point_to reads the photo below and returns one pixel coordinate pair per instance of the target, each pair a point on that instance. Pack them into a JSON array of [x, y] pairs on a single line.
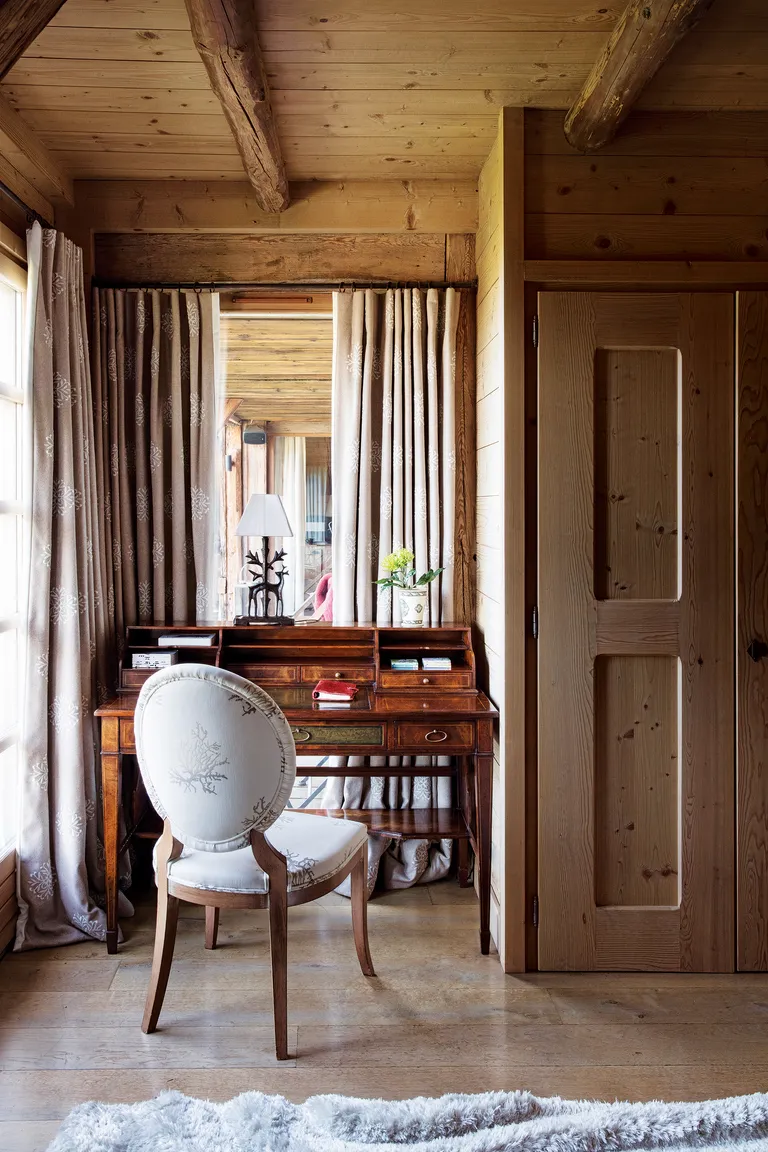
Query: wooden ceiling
[[281, 369], [116, 88]]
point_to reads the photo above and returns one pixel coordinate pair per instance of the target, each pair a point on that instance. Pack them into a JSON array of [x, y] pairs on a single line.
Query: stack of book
[[436, 663], [404, 665], [191, 640]]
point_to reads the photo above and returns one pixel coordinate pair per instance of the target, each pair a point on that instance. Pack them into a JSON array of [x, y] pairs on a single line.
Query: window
[[12, 526]]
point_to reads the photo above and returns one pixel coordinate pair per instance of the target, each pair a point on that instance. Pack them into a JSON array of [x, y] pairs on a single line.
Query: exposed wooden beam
[[377, 206], [21, 22], [225, 35], [26, 152], [644, 35], [229, 408]]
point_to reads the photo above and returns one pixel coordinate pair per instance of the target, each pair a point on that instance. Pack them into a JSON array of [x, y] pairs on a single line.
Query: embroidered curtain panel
[[394, 485], [291, 484], [70, 652], [155, 371]]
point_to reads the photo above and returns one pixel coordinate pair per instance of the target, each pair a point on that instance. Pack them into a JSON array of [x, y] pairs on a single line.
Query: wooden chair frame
[[277, 900]]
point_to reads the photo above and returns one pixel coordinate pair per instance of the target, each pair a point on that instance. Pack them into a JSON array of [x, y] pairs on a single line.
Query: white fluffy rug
[[493, 1122]]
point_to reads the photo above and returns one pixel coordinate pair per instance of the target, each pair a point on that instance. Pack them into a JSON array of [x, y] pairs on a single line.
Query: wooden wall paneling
[[752, 624], [501, 495], [680, 186], [489, 515], [460, 257], [433, 206], [8, 906], [611, 237], [278, 259]]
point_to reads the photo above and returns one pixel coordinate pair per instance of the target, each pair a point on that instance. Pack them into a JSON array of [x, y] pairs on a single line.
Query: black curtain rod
[[30, 212], [251, 286]]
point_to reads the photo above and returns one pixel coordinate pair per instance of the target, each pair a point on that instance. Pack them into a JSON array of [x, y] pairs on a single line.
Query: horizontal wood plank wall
[[500, 496], [274, 259], [376, 206], [8, 907], [672, 185]]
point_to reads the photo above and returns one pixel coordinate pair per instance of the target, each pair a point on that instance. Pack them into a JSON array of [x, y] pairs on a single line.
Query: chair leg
[[278, 939], [211, 925], [359, 880], [165, 938]]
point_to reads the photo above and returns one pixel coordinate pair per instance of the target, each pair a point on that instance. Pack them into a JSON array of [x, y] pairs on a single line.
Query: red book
[[334, 690]]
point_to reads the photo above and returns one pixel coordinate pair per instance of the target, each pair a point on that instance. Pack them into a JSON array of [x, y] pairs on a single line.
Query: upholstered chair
[[218, 762]]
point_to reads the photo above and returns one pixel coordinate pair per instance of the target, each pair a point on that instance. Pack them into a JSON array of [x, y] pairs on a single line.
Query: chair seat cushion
[[316, 847]]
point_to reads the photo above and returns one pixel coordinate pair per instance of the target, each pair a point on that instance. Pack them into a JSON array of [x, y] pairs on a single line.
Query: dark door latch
[[757, 650]]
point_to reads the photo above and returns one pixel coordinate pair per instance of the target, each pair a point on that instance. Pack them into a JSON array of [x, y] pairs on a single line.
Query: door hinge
[[535, 911], [535, 331], [535, 622]]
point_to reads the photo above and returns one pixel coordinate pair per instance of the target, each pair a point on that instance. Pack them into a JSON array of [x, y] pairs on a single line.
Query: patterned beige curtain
[[155, 371], [394, 485], [70, 652]]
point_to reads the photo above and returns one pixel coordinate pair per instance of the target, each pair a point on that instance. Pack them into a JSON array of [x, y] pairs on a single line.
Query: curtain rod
[[30, 212], [251, 286]]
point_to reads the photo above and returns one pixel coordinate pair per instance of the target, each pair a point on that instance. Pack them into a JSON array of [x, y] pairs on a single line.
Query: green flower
[[403, 558]]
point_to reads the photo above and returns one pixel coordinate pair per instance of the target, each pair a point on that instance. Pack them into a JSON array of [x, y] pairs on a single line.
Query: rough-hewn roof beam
[[225, 35], [644, 35]]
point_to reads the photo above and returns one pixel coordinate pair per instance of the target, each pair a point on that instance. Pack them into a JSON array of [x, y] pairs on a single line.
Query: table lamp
[[265, 516]]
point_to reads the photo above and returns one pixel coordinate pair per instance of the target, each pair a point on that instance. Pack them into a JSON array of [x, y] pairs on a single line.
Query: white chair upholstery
[[218, 761], [216, 754], [316, 847]]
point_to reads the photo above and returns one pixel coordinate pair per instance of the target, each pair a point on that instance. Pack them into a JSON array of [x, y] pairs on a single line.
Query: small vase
[[414, 606]]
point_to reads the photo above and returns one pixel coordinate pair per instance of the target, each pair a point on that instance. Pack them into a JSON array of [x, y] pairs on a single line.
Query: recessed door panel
[[636, 759]]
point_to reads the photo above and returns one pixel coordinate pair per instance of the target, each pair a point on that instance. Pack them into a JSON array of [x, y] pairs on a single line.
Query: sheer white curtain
[[394, 485], [291, 486]]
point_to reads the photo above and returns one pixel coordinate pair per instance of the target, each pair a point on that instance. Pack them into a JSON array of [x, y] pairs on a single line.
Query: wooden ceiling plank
[[21, 21], [26, 151], [225, 35], [643, 38]]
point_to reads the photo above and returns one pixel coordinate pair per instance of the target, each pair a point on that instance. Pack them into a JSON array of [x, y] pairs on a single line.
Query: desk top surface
[[297, 704]]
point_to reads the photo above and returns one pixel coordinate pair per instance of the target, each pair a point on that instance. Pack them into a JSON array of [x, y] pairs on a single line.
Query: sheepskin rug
[[494, 1122]]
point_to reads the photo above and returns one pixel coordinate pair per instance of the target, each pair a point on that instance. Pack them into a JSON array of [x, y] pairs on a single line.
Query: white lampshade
[[264, 515]]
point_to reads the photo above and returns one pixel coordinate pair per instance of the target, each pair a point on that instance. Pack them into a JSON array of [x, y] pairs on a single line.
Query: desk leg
[[110, 791], [483, 802]]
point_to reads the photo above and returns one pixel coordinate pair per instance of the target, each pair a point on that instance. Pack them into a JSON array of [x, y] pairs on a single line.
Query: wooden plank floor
[[438, 1018]]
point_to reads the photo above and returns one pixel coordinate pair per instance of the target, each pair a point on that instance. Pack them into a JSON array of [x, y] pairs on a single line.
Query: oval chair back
[[216, 755]]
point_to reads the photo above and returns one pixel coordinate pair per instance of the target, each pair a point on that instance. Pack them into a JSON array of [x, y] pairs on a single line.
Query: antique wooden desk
[[395, 713]]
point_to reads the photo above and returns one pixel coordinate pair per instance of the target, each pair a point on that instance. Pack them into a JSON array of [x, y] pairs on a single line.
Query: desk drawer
[[438, 736], [356, 674], [344, 734], [267, 673], [445, 681]]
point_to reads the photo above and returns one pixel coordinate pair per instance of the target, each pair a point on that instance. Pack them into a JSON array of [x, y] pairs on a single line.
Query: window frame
[[14, 275]]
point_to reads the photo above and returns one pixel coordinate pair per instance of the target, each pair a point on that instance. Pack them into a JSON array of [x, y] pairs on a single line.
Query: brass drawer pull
[[301, 735], [435, 736], [425, 680]]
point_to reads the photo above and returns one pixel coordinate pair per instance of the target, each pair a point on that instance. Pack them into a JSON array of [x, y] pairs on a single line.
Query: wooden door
[[752, 633], [636, 632]]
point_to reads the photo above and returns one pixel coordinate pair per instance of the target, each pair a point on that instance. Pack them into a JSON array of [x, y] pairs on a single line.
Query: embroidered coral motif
[[199, 762]]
